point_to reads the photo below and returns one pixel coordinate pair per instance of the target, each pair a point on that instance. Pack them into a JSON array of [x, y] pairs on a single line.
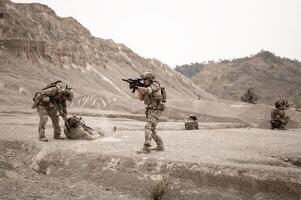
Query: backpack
[[163, 92], [36, 95]]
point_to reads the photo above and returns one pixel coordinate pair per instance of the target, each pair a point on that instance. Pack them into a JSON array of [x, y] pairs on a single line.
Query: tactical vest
[[156, 99], [51, 85]]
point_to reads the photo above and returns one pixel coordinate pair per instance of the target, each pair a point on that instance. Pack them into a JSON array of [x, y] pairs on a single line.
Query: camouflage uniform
[[278, 117], [250, 96], [45, 108], [191, 125], [78, 130], [154, 108], [154, 97]]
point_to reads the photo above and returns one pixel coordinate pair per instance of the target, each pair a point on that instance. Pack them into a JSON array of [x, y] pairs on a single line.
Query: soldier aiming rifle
[[154, 97]]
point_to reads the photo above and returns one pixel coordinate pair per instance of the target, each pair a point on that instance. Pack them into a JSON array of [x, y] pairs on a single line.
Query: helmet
[[281, 103], [148, 75], [193, 117], [69, 94]]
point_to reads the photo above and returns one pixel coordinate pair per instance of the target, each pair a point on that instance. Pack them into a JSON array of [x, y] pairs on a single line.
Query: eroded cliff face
[[37, 47]]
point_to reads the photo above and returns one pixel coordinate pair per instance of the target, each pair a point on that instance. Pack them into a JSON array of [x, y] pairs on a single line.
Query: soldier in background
[[46, 101], [278, 117], [191, 123], [249, 96], [154, 98]]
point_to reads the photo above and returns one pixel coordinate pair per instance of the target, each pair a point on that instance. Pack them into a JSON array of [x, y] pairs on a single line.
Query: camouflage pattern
[[250, 96], [152, 120], [78, 130], [278, 118], [46, 108], [43, 114], [154, 108], [83, 133], [191, 125]]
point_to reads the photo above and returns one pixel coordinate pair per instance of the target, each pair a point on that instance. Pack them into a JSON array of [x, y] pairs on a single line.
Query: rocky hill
[[271, 76], [37, 47]]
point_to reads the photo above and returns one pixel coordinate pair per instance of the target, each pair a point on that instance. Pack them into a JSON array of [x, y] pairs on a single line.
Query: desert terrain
[[222, 160], [233, 155]]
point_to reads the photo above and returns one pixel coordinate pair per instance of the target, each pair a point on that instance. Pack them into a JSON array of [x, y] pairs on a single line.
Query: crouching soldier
[[47, 102], [76, 129], [191, 123], [249, 96], [278, 117]]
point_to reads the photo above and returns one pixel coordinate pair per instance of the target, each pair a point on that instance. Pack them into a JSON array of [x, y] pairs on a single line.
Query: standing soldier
[[278, 117], [154, 97], [47, 101]]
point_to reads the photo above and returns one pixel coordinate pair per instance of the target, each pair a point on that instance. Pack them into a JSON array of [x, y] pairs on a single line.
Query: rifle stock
[[61, 113]]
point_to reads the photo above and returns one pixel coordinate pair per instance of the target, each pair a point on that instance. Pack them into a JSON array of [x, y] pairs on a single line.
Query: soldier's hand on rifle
[[46, 99], [142, 89]]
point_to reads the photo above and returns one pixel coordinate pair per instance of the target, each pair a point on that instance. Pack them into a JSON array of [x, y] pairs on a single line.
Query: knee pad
[[44, 118], [148, 126]]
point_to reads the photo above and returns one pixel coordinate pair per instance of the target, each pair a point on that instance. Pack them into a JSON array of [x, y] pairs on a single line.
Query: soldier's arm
[[140, 95], [64, 107], [49, 92], [154, 87]]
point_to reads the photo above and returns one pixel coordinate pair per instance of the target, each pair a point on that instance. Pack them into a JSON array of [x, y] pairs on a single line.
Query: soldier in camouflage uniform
[[154, 99], [250, 96], [278, 117], [76, 129], [191, 123], [44, 103]]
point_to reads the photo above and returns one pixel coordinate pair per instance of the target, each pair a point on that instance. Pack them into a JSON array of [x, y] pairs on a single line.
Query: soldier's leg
[[42, 123], [147, 135], [55, 124], [284, 123], [154, 119]]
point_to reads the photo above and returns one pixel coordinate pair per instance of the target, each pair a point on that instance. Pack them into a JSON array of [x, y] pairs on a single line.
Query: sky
[[179, 32]]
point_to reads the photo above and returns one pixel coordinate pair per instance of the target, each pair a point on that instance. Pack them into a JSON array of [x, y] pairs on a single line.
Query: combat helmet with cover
[[68, 93], [193, 117], [282, 103], [151, 76], [148, 75]]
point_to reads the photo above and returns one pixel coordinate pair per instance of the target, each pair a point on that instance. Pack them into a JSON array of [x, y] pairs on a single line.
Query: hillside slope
[[37, 47], [271, 76]]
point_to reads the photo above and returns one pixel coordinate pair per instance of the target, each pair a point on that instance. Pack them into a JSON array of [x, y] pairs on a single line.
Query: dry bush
[[159, 189]]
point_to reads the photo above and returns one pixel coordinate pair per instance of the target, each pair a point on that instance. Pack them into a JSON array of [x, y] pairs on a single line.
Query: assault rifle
[[61, 113], [134, 83]]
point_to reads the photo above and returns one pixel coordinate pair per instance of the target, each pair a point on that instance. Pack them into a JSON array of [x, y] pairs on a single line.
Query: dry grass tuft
[[159, 189]]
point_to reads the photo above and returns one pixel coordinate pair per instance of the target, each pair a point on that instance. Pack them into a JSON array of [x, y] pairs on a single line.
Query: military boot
[[145, 150], [43, 139], [58, 137], [160, 146]]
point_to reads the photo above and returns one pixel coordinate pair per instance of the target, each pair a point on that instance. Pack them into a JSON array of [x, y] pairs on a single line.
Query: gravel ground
[[259, 153]]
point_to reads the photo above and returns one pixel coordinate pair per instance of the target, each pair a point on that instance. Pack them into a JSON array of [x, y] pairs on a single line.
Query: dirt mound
[[72, 175]]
